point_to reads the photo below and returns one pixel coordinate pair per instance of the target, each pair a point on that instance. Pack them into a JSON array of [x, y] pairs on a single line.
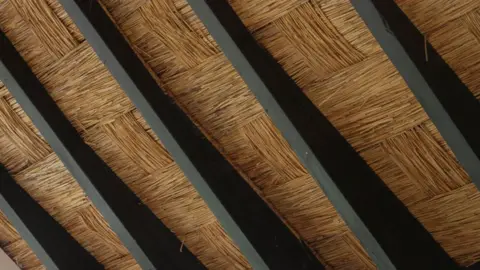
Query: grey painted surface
[[6, 263]]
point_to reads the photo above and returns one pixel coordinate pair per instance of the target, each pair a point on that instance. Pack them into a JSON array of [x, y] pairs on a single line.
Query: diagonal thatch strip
[[391, 235], [52, 244], [259, 233], [146, 237], [372, 105], [64, 84], [445, 98]]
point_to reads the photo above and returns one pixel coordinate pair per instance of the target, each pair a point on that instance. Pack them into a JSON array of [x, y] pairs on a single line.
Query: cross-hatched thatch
[[322, 44]]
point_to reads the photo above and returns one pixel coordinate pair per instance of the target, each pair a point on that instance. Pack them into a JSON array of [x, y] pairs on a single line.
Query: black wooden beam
[[262, 237], [150, 242], [452, 107], [393, 238], [54, 246]]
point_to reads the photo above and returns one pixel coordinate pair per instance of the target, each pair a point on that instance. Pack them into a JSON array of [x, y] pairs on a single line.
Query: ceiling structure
[[188, 146]]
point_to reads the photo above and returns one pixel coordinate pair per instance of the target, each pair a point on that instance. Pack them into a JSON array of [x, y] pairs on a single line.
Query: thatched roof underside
[[322, 44]]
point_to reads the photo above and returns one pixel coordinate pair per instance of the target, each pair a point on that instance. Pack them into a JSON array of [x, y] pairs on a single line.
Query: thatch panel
[[208, 241], [328, 51], [257, 14], [241, 154], [94, 103], [23, 256], [113, 155], [344, 252], [47, 27], [84, 89], [8, 234], [23, 37], [157, 55], [452, 218], [3, 90], [135, 142], [316, 38], [11, 156], [312, 216], [175, 33], [429, 15], [272, 147], [120, 9], [432, 169], [215, 96], [33, 147], [368, 102], [171, 197], [217, 99], [50, 184], [347, 22], [459, 45], [426, 177], [62, 15], [286, 55]]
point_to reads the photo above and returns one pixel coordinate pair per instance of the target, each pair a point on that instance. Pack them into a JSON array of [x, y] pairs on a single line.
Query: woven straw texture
[[322, 44]]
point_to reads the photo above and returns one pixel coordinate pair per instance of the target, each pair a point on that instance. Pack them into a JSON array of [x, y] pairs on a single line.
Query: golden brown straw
[[322, 44]]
